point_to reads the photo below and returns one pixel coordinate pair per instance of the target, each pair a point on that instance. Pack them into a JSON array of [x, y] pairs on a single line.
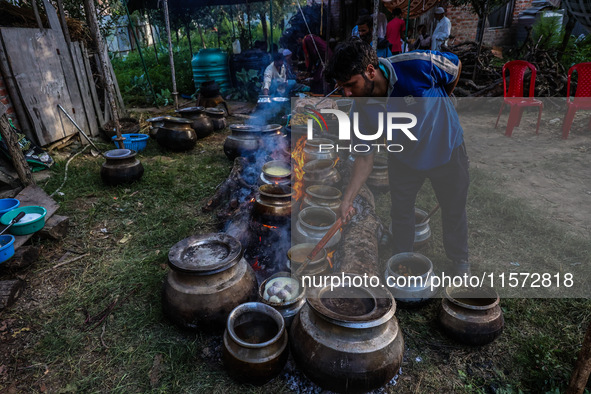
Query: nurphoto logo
[[388, 123]]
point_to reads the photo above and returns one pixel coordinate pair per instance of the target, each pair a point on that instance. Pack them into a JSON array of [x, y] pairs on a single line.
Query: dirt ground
[[551, 174]]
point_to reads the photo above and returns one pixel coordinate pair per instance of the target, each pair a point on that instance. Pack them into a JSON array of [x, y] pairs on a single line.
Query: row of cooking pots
[[211, 285], [181, 133], [343, 338]]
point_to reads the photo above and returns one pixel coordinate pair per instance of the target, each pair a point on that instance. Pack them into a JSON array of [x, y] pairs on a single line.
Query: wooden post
[[18, 158], [580, 376], [36, 12], [63, 22], [90, 10], [152, 33], [175, 94]]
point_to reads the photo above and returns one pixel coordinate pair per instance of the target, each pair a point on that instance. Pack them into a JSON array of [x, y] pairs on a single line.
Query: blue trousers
[[450, 183]]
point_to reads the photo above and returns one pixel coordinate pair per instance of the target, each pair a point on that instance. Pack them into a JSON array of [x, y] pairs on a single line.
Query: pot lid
[[215, 111], [118, 153], [174, 119], [156, 119], [205, 254], [190, 110], [351, 306], [244, 128]]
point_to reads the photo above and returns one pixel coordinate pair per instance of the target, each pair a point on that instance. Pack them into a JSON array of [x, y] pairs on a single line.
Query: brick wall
[[5, 99], [464, 25]]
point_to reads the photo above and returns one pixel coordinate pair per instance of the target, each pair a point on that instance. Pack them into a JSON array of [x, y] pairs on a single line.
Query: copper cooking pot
[[276, 172], [176, 134], [202, 125], [321, 172], [121, 166], [273, 203], [208, 278], [347, 339], [323, 196], [255, 343], [471, 315]]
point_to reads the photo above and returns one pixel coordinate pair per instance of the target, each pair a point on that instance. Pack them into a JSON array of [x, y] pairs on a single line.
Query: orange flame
[[297, 155], [266, 225], [337, 160], [329, 258]]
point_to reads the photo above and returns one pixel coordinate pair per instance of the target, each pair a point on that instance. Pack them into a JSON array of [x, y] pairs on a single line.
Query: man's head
[[389, 5], [365, 27], [354, 66], [397, 12], [439, 13], [287, 55], [278, 60]]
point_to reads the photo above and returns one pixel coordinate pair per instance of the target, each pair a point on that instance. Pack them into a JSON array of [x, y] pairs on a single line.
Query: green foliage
[[547, 32], [249, 86]]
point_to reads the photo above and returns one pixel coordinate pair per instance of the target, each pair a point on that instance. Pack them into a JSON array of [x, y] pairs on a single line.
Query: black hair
[[277, 56], [397, 12], [365, 20], [350, 58]]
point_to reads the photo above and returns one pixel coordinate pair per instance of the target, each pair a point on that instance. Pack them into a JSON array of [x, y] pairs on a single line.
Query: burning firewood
[[225, 189]]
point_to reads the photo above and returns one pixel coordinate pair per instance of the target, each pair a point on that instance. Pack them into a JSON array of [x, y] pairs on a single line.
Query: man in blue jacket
[[423, 81]]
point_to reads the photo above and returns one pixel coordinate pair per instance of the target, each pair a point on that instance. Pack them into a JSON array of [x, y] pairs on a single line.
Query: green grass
[[535, 353]]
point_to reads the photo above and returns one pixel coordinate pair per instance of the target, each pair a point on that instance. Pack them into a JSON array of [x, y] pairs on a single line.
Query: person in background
[[292, 79], [275, 76], [423, 40], [425, 79], [315, 50], [395, 31], [442, 30], [365, 24]]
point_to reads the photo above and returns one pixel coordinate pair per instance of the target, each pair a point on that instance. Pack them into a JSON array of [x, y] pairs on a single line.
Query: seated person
[[423, 40], [275, 76], [365, 26]]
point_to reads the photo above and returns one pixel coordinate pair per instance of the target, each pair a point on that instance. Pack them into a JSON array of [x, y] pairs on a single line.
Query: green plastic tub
[[33, 221]]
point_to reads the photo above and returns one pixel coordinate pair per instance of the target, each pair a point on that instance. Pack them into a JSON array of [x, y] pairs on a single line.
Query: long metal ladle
[[80, 130]]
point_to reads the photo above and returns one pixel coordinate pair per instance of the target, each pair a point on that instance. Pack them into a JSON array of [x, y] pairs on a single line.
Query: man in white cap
[[442, 30]]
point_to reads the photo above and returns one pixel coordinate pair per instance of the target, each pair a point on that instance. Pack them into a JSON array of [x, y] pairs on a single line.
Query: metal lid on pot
[[352, 306], [118, 153], [190, 110], [205, 254]]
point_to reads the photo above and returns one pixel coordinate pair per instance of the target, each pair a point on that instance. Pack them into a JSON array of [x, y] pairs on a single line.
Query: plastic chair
[[582, 98], [514, 95]]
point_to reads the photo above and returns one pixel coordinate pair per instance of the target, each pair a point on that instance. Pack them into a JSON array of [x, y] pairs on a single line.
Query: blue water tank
[[211, 64]]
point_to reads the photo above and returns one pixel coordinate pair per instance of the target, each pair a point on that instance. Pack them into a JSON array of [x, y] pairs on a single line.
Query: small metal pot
[[177, 134], [255, 343], [422, 229], [202, 125], [287, 309], [121, 166], [313, 223], [156, 123], [321, 172], [323, 196], [408, 277], [471, 316], [209, 277], [273, 204], [378, 179], [297, 255], [313, 151], [218, 118], [276, 172]]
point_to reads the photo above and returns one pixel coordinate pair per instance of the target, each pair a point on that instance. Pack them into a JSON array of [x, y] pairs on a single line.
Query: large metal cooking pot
[[202, 125], [218, 118], [378, 179], [288, 309], [313, 151], [471, 316], [244, 141], [298, 254], [208, 278], [276, 172], [176, 134], [255, 343], [121, 166], [347, 339]]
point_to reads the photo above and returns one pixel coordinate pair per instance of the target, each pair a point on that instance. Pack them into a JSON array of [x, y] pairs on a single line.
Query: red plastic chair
[[514, 95], [582, 98]]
